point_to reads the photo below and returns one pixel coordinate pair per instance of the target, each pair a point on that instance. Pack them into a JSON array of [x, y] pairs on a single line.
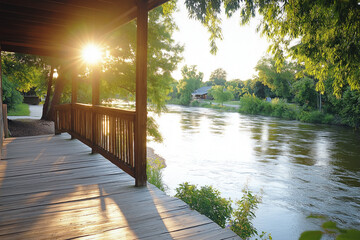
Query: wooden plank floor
[[51, 187]]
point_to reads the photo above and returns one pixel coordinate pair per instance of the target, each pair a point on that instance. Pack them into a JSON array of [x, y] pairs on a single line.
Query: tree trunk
[[59, 87], [48, 94]]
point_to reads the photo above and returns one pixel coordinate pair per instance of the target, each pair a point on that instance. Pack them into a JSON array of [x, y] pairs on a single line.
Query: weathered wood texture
[[141, 93], [1, 109], [52, 188], [107, 131], [55, 28], [5, 121]]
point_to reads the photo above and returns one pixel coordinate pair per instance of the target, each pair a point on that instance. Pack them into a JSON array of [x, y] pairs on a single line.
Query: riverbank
[[278, 108]]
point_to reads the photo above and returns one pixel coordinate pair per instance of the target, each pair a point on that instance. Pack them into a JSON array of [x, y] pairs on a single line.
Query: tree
[[304, 92], [191, 81], [322, 35], [11, 96], [235, 86], [22, 73], [218, 77], [278, 81], [221, 94], [163, 56]]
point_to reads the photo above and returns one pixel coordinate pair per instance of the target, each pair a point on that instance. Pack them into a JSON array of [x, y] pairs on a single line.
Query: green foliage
[[250, 104], [304, 92], [326, 33], [220, 94], [189, 83], [21, 109], [330, 229], [281, 109], [218, 77], [195, 103], [154, 173], [244, 214], [347, 107], [25, 72], [152, 130], [207, 201], [163, 56], [315, 117], [11, 96], [278, 81]]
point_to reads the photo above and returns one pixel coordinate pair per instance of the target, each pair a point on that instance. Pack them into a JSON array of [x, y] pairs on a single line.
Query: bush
[[242, 216], [330, 230], [11, 96], [207, 201], [195, 103], [316, 117], [154, 173], [250, 104]]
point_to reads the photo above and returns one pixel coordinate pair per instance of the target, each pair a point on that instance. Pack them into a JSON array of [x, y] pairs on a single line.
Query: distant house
[[201, 93]]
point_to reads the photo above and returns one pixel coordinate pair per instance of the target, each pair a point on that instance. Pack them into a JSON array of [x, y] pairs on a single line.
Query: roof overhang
[[54, 27]]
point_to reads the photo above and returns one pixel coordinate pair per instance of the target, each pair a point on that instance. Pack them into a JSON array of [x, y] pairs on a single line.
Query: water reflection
[[218, 123], [190, 121], [302, 168]]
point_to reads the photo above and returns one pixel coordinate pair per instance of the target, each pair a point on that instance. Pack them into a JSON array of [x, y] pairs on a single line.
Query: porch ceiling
[[56, 27]]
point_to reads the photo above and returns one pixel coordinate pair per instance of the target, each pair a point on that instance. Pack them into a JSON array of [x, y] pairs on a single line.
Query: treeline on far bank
[[286, 94]]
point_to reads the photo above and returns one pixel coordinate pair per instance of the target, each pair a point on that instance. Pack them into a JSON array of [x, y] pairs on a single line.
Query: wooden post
[[1, 109], [95, 101], [141, 94], [6, 127], [74, 88]]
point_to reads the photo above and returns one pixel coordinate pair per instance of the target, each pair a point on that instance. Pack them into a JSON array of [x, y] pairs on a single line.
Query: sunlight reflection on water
[[302, 168]]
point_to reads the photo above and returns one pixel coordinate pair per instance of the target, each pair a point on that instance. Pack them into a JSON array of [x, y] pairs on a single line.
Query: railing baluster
[[108, 131]]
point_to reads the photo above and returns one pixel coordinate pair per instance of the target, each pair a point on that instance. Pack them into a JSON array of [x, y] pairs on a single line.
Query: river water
[[299, 169]]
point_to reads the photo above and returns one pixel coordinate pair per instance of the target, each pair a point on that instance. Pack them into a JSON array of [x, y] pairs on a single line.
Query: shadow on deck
[[51, 187]]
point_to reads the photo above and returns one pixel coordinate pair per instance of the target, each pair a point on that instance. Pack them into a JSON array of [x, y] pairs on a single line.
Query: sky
[[238, 52]]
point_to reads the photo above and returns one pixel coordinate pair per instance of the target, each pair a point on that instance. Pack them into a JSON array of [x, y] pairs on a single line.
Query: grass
[[232, 102], [21, 109]]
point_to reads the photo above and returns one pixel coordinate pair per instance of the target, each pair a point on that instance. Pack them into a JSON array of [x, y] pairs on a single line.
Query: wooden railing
[[107, 131]]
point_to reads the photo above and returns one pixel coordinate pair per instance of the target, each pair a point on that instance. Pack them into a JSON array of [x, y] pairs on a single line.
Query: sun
[[91, 54]]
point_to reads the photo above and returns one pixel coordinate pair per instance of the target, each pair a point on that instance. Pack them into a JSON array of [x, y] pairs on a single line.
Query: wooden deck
[[51, 187]]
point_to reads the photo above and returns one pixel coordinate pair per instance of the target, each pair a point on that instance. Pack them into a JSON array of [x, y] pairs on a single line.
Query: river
[[300, 169]]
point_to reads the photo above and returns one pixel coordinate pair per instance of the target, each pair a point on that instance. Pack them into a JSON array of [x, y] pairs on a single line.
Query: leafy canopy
[[278, 81], [324, 36], [191, 81], [218, 77], [221, 94]]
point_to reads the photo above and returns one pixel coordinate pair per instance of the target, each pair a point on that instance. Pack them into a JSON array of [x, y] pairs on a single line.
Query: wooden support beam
[[141, 94], [74, 90], [96, 86], [74, 86], [1, 109], [95, 101]]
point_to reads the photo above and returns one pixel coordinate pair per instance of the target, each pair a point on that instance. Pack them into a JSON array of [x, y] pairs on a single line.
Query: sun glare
[[55, 74], [91, 54]]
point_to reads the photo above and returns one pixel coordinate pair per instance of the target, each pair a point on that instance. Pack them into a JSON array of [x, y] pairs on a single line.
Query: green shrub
[[154, 173], [195, 103], [250, 104], [173, 101], [330, 230], [11, 96], [328, 119], [242, 216], [207, 201]]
